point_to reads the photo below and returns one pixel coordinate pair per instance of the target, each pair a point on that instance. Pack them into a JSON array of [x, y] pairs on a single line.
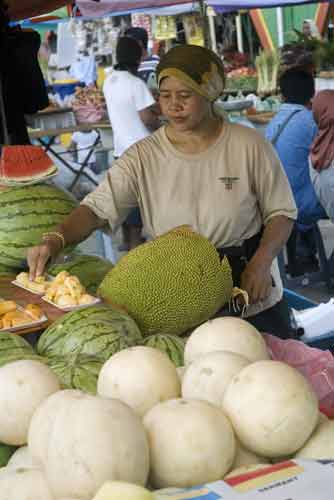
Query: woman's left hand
[[256, 280]]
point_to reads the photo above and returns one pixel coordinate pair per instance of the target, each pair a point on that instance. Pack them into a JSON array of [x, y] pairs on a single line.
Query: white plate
[[71, 308], [34, 322], [17, 283]]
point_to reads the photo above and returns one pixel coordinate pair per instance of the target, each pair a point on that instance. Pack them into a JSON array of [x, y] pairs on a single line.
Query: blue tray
[[299, 302]]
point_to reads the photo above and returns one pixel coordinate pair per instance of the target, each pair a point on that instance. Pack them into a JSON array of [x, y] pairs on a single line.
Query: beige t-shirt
[[225, 193]]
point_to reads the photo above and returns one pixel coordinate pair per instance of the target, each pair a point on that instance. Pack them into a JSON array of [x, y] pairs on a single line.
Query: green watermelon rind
[[172, 345], [87, 332], [25, 214]]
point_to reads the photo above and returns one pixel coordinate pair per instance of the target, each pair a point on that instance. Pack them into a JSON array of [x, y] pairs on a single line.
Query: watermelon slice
[[23, 163]]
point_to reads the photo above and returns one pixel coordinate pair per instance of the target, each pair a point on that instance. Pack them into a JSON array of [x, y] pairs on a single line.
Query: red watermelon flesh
[[22, 163]]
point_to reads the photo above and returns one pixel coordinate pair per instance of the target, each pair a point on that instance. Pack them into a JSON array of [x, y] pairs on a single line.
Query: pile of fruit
[[231, 406]]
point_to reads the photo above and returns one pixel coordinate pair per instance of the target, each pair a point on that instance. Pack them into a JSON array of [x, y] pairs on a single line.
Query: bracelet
[[47, 236]]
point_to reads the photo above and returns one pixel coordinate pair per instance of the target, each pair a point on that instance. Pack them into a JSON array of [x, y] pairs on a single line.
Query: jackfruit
[[171, 284]]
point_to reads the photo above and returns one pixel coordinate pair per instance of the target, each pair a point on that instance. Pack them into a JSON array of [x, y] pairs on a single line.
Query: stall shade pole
[[240, 42], [280, 26], [212, 26], [3, 119]]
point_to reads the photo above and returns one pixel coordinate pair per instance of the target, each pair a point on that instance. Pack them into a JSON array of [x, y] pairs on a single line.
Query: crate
[[299, 302]]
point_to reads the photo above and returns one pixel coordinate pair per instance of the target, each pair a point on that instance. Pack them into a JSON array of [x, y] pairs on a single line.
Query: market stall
[[135, 384]]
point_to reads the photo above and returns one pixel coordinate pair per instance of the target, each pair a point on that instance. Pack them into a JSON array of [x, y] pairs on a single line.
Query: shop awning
[[230, 5]]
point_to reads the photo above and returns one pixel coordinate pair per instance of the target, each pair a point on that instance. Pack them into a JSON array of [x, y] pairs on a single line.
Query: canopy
[[92, 8], [232, 5]]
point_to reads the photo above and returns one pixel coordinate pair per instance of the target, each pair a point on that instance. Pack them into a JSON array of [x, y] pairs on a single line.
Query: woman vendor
[[222, 179]]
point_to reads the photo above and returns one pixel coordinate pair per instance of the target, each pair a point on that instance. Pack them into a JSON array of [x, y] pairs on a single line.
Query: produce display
[[27, 213], [234, 411], [188, 283], [26, 163]]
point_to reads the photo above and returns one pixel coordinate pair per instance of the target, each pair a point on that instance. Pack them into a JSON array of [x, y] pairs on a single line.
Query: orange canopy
[[22, 9]]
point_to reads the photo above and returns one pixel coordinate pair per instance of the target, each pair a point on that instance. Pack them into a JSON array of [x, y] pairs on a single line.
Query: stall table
[[47, 139]]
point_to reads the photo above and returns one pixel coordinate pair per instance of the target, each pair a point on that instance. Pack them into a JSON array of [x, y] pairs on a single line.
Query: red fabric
[[317, 367], [322, 149]]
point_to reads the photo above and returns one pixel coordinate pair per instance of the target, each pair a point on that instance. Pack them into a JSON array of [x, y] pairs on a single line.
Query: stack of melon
[[145, 427]]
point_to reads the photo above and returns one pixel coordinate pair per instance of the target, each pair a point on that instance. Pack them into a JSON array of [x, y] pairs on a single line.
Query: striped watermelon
[[6, 451], [25, 214], [172, 345], [77, 372], [13, 348], [98, 331], [89, 269]]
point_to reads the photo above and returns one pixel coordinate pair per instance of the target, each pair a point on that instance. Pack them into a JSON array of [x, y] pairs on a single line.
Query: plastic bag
[[316, 365]]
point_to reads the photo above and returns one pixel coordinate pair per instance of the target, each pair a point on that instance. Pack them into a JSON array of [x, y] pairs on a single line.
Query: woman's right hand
[[39, 256]]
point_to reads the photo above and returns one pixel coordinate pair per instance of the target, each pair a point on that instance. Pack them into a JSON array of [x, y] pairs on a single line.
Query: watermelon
[[89, 269], [77, 371], [98, 331], [172, 345], [27, 213], [6, 452], [13, 348], [23, 163]]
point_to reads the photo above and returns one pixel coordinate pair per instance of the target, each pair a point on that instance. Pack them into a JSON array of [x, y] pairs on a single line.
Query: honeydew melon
[[226, 334]]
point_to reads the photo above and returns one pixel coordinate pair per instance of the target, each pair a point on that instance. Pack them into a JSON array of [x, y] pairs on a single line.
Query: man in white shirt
[[133, 114]]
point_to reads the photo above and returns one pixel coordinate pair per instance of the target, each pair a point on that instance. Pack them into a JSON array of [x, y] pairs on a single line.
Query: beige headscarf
[[199, 68]]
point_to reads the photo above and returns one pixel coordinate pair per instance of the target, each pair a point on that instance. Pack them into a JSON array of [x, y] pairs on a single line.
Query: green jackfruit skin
[[170, 284]]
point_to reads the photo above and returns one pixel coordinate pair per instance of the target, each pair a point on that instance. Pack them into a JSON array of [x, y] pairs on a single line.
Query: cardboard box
[[291, 480]]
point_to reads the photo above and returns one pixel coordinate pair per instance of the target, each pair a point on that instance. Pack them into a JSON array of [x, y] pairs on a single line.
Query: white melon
[[191, 442], [117, 490], [209, 375], [22, 459], [87, 441], [244, 457], [226, 334], [23, 386], [320, 446], [272, 408], [181, 371], [23, 484], [140, 377]]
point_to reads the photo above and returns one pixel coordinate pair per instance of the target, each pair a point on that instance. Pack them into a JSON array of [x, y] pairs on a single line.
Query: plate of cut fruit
[[13, 317], [67, 293], [63, 291]]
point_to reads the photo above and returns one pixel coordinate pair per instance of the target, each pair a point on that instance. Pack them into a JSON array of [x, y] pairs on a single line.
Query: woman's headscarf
[[322, 149], [197, 67]]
